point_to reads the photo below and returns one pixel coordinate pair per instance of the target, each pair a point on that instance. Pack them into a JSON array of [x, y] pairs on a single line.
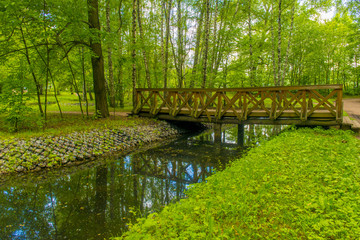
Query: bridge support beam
[[217, 132], [240, 135]]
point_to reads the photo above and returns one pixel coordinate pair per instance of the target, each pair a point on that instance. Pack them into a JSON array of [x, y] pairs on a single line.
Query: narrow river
[[100, 200]]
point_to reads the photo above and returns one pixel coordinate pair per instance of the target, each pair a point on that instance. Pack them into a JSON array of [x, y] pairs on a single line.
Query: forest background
[[103, 49]]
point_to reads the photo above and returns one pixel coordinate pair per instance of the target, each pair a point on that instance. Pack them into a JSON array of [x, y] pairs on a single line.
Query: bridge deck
[[311, 105]]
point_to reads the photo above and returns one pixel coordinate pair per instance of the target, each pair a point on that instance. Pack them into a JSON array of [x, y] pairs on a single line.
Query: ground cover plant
[[303, 184], [69, 123]]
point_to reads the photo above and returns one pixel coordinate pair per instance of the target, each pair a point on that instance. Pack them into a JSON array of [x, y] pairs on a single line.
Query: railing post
[[196, 105], [304, 106], [219, 105], [273, 105], [174, 104], [339, 106], [136, 102], [288, 104], [154, 104]]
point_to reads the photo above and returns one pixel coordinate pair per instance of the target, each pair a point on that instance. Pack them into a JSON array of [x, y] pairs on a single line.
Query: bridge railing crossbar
[[307, 102]]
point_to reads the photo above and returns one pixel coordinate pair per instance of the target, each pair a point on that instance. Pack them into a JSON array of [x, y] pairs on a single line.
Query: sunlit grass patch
[[55, 125], [303, 184]]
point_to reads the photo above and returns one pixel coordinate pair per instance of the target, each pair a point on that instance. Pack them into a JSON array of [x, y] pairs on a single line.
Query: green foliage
[[303, 184], [13, 98], [70, 123]]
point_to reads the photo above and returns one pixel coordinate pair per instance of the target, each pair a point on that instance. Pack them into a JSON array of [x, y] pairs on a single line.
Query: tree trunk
[[197, 49], [110, 63], [214, 48], [206, 50], [37, 84], [250, 46], [357, 72], [288, 46], [90, 95], [273, 48], [146, 63], [162, 39], [133, 52], [180, 45], [167, 37], [279, 45], [84, 81], [120, 87], [97, 61]]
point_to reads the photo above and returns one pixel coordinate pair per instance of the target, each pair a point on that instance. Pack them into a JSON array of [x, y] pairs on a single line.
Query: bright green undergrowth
[[302, 184], [56, 126], [70, 103]]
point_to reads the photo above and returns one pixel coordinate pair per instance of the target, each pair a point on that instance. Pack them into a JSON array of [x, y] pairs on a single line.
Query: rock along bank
[[17, 155]]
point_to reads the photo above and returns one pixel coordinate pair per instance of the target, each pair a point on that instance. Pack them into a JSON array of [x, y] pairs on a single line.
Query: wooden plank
[[323, 102], [255, 113], [185, 102], [230, 104], [174, 104], [303, 116], [211, 100], [273, 105], [339, 107], [219, 106], [252, 89], [288, 103], [309, 122], [204, 107], [200, 103], [136, 104], [154, 104], [196, 105]]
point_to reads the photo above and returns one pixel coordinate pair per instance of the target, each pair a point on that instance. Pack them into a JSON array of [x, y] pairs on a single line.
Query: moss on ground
[[303, 184]]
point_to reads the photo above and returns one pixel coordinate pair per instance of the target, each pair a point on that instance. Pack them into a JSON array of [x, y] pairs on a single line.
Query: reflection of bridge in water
[[186, 166], [185, 162], [319, 105], [103, 200]]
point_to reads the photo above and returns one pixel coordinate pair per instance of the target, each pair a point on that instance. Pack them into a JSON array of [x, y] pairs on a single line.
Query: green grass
[[70, 103], [32, 125], [350, 96], [55, 126], [302, 184]]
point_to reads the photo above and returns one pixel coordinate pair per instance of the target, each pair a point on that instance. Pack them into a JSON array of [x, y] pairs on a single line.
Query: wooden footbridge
[[302, 105]]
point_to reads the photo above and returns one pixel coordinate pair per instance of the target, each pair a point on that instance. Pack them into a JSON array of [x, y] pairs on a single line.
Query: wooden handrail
[[303, 103], [250, 89]]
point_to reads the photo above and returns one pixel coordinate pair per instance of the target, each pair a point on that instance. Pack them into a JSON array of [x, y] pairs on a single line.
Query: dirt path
[[352, 107]]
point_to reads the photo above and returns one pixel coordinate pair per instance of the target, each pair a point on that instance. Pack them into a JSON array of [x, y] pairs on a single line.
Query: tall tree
[[167, 39], [97, 60], [197, 48], [142, 38], [133, 51], [110, 62], [279, 45], [206, 42]]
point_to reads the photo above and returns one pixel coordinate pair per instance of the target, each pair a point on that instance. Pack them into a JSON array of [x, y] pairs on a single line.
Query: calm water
[[99, 201]]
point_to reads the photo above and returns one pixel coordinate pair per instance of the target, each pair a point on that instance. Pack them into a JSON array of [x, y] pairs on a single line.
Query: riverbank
[[302, 184], [43, 152]]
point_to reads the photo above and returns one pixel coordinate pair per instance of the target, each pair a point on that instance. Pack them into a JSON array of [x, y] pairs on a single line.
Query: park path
[[352, 107]]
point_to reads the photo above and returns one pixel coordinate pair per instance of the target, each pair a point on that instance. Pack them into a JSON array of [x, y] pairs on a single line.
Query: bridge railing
[[321, 102]]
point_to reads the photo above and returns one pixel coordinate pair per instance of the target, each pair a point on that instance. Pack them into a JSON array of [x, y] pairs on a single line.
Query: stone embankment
[[18, 155]]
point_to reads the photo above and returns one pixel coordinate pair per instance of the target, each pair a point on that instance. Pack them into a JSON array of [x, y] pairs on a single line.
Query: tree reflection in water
[[100, 202]]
